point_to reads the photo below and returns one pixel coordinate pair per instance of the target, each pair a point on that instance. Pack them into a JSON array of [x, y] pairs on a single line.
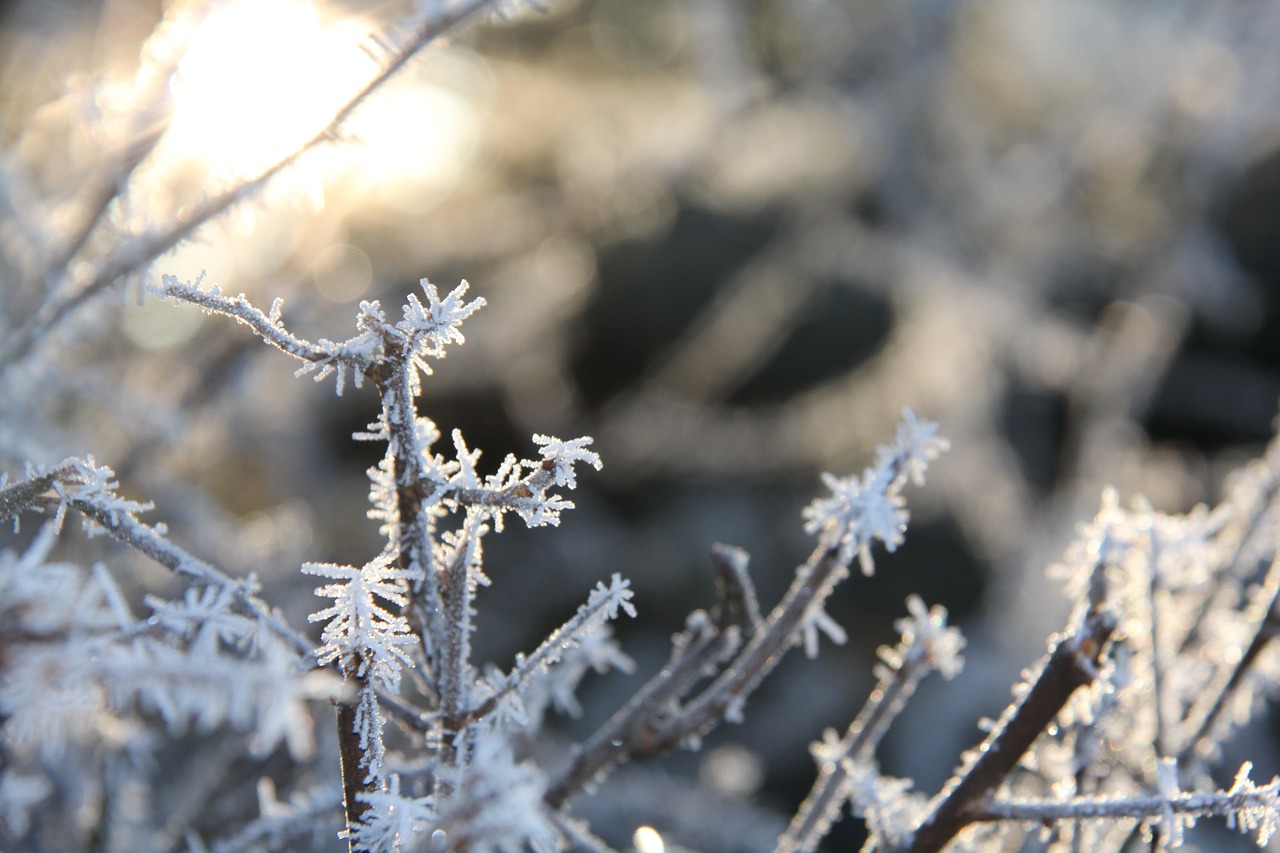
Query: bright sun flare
[[260, 78]]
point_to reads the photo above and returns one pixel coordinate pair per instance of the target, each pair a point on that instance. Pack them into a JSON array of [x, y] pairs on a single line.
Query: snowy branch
[[927, 644], [1247, 807], [1071, 664]]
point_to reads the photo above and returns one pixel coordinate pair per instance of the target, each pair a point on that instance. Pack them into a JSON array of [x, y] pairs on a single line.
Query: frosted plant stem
[[455, 654], [1209, 804], [355, 763], [629, 732], [413, 536], [412, 544], [1160, 743], [703, 647], [814, 582], [1209, 712], [736, 604], [1157, 661], [1054, 810], [148, 540], [1255, 514], [267, 327], [830, 790], [549, 651], [638, 730], [31, 491], [1071, 664]]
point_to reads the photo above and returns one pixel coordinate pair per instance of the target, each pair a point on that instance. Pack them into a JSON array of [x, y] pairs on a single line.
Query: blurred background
[[731, 241]]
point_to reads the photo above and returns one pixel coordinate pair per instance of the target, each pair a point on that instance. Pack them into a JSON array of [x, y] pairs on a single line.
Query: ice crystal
[[394, 822], [1254, 809], [360, 633], [437, 324], [862, 509], [926, 634], [561, 456]]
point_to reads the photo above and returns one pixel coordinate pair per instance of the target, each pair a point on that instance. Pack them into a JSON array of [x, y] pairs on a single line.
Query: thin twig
[[27, 493], [1203, 718], [698, 651], [821, 807], [142, 537], [647, 726]]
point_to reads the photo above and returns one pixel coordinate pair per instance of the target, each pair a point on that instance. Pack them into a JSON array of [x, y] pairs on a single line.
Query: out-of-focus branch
[[136, 254], [1203, 719], [148, 122], [83, 488], [31, 491]]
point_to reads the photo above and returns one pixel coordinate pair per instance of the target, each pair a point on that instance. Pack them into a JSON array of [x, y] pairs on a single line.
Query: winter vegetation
[[215, 637]]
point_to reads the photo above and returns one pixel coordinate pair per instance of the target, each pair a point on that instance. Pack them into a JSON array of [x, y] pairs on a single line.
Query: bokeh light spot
[[343, 273]]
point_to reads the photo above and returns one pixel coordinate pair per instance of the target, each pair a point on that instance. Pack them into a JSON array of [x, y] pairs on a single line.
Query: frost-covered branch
[[325, 356], [650, 724], [1248, 808], [1071, 664], [862, 509], [602, 606], [89, 488], [460, 571], [430, 575], [702, 648], [846, 523], [927, 644], [37, 488], [699, 649], [1204, 718]]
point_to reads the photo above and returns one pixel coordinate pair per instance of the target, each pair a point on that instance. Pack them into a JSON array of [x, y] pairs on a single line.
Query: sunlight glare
[[414, 142], [260, 78]]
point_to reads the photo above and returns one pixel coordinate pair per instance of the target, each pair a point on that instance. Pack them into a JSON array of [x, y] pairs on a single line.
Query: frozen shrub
[[214, 719]]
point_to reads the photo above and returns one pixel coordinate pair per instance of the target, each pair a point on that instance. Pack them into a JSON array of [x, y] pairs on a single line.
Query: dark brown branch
[[736, 604], [1072, 664], [26, 493], [650, 724], [354, 768]]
